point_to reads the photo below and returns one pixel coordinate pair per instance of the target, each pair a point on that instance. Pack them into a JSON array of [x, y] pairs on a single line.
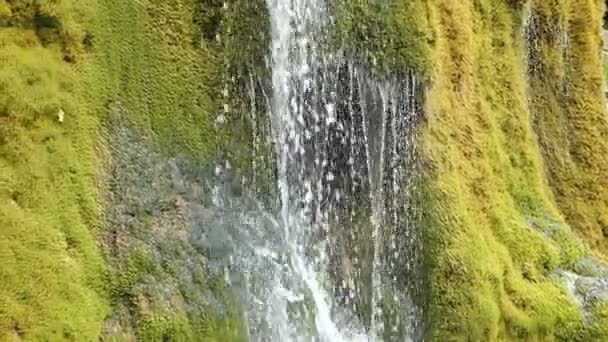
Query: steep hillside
[[52, 270]]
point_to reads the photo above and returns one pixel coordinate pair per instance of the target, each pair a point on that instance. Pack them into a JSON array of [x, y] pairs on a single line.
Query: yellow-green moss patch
[[497, 236]]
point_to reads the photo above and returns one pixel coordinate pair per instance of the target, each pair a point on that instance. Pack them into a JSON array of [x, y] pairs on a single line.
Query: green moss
[[166, 69], [605, 67], [137, 266], [599, 328], [51, 270], [513, 161], [388, 35], [159, 67], [179, 327], [569, 114], [75, 58], [496, 233]]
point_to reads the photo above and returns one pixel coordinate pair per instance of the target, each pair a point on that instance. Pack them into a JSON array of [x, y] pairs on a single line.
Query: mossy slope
[[570, 115], [63, 65], [498, 230], [51, 271]]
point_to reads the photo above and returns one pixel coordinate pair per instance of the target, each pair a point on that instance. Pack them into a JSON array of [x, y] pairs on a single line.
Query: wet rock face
[[591, 267], [588, 284], [593, 290], [593, 283], [156, 214]]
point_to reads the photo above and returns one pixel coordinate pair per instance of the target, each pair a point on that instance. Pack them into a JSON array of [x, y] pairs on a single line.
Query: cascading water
[[298, 111], [339, 259]]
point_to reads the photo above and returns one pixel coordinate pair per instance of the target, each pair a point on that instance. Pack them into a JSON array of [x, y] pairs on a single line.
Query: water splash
[[336, 258]]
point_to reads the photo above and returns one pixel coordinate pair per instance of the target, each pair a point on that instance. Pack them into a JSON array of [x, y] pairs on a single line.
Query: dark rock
[[162, 230]]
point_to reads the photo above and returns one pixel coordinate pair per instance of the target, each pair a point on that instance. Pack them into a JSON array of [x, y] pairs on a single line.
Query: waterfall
[[337, 258]]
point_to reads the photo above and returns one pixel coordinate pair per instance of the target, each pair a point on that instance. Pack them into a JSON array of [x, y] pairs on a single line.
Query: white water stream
[[337, 261]]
